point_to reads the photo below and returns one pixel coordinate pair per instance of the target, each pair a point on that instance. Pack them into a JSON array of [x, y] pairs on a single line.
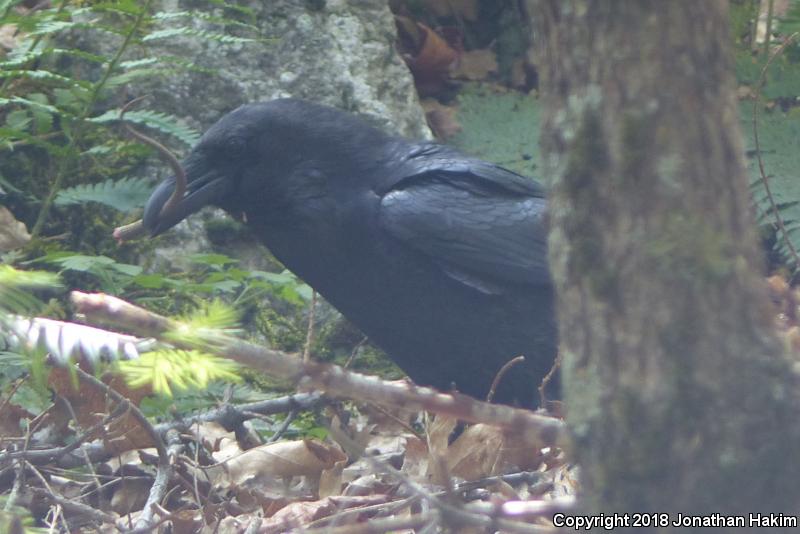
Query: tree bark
[[678, 391]]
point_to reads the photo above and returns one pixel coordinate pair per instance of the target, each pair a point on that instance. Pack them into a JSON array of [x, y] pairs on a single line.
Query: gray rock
[[335, 52]]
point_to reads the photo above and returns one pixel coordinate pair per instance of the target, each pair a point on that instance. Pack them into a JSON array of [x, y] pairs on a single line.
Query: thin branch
[[310, 327], [164, 469], [501, 373], [333, 379], [547, 378]]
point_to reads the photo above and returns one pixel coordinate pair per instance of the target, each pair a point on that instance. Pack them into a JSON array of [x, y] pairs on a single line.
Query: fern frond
[[123, 195], [127, 7], [185, 30], [162, 122], [204, 16], [31, 104], [38, 75]]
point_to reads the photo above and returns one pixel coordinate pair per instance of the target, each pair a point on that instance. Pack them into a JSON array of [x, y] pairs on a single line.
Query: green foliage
[[778, 126], [125, 195], [59, 102], [779, 139], [790, 22], [16, 288], [782, 79], [162, 122], [166, 370], [112, 275]]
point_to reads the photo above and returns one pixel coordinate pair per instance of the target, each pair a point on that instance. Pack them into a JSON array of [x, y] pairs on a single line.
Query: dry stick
[[756, 98], [547, 378], [42, 456], [547, 431], [74, 506], [310, 328], [451, 514], [501, 373], [164, 469], [136, 229]]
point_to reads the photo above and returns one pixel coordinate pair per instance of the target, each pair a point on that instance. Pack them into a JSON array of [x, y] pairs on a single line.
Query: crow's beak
[[203, 188]]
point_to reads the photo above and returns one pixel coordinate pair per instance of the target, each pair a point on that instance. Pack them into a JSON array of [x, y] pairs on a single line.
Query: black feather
[[439, 258]]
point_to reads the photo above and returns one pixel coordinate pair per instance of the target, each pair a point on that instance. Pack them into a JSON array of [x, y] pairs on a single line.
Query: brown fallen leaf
[[427, 54], [441, 119], [284, 459], [298, 514], [483, 450], [13, 233], [475, 65]]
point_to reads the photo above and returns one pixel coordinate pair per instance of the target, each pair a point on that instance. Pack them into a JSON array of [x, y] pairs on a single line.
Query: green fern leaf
[[163, 122], [124, 195], [211, 36], [192, 15]]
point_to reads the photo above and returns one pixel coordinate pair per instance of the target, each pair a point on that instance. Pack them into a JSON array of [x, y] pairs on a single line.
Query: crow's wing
[[483, 225]]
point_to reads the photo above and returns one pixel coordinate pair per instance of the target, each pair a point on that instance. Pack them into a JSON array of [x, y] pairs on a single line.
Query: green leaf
[[16, 286], [212, 259], [124, 195], [168, 369], [779, 139], [207, 35], [160, 121]]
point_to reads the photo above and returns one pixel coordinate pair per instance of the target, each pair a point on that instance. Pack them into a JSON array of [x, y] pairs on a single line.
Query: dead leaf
[[186, 521], [427, 54], [284, 459], [441, 119], [330, 480], [483, 450], [13, 233], [299, 514], [9, 37], [10, 417], [475, 65], [130, 495], [438, 435], [415, 461], [90, 405]]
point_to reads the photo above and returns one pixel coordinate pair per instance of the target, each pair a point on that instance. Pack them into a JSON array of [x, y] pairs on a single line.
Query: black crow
[[440, 258]]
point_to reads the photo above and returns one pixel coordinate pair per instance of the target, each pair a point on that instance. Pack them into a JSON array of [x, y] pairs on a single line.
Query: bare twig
[[164, 469], [74, 506], [355, 351], [314, 375], [380, 526], [43, 456], [501, 373], [452, 514], [756, 102], [310, 327], [291, 416], [547, 378]]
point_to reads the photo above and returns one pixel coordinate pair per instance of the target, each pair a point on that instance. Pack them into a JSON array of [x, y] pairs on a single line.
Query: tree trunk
[[678, 391]]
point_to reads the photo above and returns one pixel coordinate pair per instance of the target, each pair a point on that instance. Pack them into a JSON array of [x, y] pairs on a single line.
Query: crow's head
[[262, 155]]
